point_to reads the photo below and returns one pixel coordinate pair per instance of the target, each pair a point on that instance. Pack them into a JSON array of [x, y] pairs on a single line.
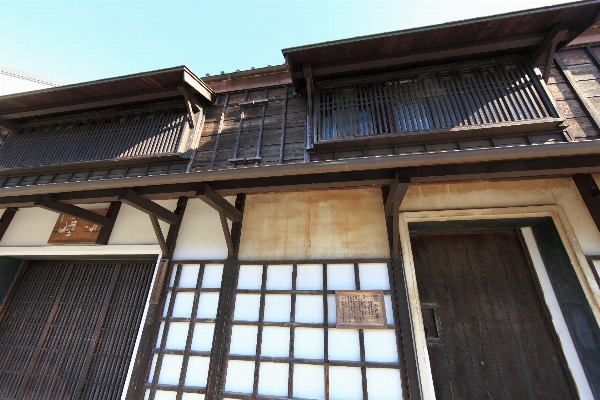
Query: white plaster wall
[[134, 227], [201, 235], [489, 194], [31, 227], [347, 223]]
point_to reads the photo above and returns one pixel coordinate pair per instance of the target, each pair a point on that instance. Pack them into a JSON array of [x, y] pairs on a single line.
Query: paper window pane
[[273, 379], [207, 305], [374, 276], [345, 383], [160, 334], [247, 307], [384, 384], [243, 340], [389, 311], [308, 343], [197, 371], [340, 277], [277, 307], [167, 302], [331, 309], [344, 344], [240, 376], [189, 276], [151, 374], [309, 308], [275, 342], [177, 335], [250, 277], [380, 345], [203, 337], [165, 395], [183, 305], [170, 369], [192, 396], [213, 274], [309, 381], [279, 277], [309, 277]]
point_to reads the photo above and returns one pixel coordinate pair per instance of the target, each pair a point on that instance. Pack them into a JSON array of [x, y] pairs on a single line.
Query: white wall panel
[[201, 235]]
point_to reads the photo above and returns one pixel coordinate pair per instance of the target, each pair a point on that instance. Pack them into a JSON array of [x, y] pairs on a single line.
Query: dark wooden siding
[[100, 138], [237, 135], [586, 74]]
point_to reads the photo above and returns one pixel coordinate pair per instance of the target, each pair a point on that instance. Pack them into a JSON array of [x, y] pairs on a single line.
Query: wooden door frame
[[578, 260]]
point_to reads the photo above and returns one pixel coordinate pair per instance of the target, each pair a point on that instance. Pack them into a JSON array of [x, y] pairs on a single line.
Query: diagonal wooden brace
[[49, 203], [217, 202], [148, 206]]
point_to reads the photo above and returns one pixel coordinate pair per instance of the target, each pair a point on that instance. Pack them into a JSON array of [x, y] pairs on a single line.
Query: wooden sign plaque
[[360, 309], [69, 230]]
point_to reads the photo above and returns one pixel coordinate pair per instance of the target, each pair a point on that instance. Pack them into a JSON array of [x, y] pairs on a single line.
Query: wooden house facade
[[407, 215]]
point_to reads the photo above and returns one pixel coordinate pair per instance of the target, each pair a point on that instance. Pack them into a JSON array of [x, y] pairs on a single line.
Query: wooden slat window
[[70, 328], [467, 97], [135, 134]]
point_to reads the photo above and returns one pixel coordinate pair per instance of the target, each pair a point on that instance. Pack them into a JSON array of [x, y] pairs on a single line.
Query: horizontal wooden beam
[[48, 203], [131, 198], [99, 102], [505, 43], [217, 202]]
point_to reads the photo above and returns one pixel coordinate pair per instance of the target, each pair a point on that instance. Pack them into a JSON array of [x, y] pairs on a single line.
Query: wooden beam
[[309, 86], [217, 202], [49, 203], [404, 331], [226, 232], [548, 62], [106, 230], [6, 219], [174, 229], [398, 190], [148, 206], [505, 43], [7, 125], [590, 193], [159, 235], [589, 107], [99, 102], [555, 35], [190, 96]]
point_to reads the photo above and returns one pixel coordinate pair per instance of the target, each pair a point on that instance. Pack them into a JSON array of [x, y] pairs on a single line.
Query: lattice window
[[467, 97], [182, 352], [284, 341]]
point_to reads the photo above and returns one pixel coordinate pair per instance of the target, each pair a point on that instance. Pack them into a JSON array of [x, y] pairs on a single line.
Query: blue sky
[[77, 41]]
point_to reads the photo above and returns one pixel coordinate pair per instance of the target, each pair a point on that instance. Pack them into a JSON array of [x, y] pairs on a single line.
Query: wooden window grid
[[465, 97]]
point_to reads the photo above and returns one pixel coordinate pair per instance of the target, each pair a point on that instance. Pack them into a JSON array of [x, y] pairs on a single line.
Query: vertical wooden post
[[590, 193], [405, 340], [217, 368]]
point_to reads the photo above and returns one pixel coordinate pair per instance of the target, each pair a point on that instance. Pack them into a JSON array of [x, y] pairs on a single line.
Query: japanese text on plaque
[[360, 309]]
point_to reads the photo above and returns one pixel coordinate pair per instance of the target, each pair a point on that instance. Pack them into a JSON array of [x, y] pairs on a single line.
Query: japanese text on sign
[[360, 309]]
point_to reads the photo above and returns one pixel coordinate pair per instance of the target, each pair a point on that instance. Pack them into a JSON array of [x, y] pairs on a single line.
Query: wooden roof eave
[[138, 88], [349, 57]]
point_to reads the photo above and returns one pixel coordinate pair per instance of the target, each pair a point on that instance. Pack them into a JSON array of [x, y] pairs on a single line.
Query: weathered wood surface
[[495, 337]]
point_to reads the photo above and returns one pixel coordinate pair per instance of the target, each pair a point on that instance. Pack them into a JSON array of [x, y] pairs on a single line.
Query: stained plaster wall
[[346, 223], [490, 194]]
